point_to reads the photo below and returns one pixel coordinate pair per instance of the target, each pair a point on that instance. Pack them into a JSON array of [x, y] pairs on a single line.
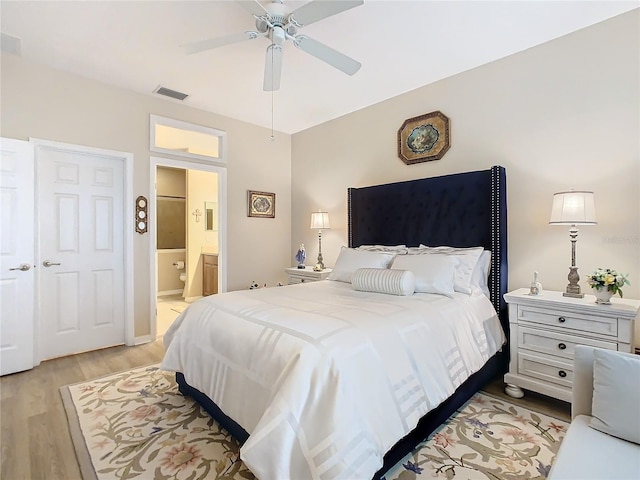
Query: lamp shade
[[573, 208], [320, 221]]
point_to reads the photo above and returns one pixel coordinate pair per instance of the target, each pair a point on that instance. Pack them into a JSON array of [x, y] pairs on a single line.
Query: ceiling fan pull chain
[[272, 136]]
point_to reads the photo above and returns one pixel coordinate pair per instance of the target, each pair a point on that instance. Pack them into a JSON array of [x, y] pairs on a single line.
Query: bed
[[314, 394]]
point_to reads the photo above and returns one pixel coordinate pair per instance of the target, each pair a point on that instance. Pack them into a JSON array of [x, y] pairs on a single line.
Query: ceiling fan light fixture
[[278, 35], [262, 25]]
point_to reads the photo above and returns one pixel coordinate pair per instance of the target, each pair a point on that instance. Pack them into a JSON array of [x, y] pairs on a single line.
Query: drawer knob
[[302, 280], [562, 319], [562, 373], [562, 346]]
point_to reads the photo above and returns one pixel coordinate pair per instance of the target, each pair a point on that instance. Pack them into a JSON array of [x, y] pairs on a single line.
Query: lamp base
[[318, 267], [574, 295], [573, 289]]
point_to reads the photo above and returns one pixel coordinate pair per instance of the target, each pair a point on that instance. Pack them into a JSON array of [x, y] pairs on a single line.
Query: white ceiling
[[402, 45]]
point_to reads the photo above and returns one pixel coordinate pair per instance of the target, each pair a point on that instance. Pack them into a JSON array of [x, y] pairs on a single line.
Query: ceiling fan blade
[[272, 68], [212, 43], [253, 7], [319, 9], [327, 54]]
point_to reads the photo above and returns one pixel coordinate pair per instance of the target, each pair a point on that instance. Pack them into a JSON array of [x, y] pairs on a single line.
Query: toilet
[[183, 279]]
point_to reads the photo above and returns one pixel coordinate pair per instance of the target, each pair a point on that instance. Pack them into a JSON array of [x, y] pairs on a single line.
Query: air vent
[[167, 92], [10, 44]]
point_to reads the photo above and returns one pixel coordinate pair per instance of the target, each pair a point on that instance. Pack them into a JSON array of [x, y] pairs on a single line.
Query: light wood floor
[[35, 437], [533, 401]]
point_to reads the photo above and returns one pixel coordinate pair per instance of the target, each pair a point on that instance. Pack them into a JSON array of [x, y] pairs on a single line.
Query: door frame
[[154, 163], [127, 158]]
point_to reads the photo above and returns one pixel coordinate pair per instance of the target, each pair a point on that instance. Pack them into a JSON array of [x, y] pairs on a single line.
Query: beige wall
[[561, 115], [171, 182], [201, 187], [40, 102]]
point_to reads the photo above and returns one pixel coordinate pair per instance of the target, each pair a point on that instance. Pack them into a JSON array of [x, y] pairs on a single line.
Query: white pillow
[[467, 257], [434, 273], [383, 280], [480, 276], [616, 394], [397, 249], [350, 259], [418, 250]]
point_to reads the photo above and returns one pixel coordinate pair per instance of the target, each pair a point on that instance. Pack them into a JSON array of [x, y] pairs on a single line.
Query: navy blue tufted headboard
[[459, 210]]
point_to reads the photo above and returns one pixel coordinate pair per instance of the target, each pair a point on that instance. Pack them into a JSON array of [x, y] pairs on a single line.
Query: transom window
[[184, 139]]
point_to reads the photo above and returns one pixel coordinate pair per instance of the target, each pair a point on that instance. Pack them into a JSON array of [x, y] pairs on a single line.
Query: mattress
[[324, 378]]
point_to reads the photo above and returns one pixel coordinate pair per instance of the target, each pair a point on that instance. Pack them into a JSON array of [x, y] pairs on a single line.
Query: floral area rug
[[137, 425], [487, 438]]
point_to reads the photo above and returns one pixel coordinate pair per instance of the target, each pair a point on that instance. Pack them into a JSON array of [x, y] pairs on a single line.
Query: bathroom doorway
[[187, 227]]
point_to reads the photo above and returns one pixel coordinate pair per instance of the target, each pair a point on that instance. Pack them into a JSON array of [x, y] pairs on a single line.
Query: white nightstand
[[544, 330], [306, 274]]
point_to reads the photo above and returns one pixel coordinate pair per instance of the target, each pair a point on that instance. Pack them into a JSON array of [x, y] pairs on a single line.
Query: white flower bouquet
[[608, 279]]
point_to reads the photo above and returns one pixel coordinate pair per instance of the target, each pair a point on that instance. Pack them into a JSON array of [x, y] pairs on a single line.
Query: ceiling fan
[[277, 24]]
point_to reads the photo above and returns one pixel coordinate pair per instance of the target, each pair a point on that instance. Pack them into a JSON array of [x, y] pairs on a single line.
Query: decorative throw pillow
[[467, 260], [383, 280], [350, 259], [616, 394], [434, 273]]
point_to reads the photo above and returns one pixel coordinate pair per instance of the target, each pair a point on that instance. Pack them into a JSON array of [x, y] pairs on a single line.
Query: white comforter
[[325, 378]]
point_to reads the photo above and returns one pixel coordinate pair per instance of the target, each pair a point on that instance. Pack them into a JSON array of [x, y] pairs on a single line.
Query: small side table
[[306, 274]]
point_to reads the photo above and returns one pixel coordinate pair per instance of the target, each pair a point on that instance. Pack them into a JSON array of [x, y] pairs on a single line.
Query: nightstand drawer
[[568, 320], [562, 345], [298, 279], [546, 368]]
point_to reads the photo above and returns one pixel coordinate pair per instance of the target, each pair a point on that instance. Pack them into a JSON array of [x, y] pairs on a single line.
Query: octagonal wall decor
[[424, 138]]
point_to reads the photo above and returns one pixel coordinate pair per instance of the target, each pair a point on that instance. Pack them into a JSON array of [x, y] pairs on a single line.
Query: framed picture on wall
[[424, 138], [261, 204]]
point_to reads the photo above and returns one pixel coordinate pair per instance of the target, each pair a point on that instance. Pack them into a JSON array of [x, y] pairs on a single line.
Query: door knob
[[24, 267], [48, 263]]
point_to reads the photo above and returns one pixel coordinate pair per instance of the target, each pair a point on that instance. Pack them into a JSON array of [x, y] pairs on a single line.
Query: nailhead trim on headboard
[[498, 278], [495, 244]]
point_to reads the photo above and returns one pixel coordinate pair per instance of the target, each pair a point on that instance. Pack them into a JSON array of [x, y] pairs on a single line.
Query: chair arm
[[582, 393]]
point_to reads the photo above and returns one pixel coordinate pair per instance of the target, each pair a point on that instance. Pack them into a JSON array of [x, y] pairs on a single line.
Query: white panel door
[[16, 256], [81, 249]]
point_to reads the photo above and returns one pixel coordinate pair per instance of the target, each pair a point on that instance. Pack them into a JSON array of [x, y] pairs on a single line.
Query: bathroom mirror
[[210, 216]]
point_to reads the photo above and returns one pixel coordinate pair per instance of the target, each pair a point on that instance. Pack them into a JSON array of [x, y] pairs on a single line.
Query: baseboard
[[192, 299], [170, 292], [143, 339]]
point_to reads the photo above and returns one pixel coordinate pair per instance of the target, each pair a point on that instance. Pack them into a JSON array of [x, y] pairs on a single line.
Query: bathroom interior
[[187, 240]]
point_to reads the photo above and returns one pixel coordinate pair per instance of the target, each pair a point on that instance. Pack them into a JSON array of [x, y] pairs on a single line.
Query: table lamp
[[573, 208], [319, 221]]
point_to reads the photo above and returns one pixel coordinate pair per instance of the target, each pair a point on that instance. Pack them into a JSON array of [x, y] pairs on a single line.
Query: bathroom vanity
[[209, 274]]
